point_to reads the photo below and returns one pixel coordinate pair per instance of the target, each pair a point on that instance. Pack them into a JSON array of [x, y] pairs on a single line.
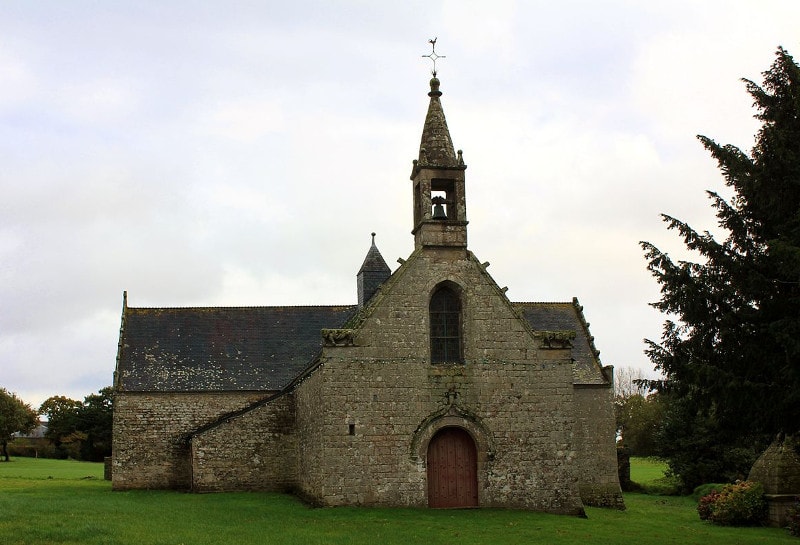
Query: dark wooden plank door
[[452, 469]]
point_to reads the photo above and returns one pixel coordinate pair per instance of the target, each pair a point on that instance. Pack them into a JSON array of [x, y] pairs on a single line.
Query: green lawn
[[48, 501], [647, 470]]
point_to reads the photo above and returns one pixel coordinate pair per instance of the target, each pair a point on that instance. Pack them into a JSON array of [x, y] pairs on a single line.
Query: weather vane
[[433, 56]]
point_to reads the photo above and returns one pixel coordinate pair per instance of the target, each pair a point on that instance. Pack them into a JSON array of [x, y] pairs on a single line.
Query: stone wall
[[151, 432], [256, 450], [595, 432], [525, 454], [311, 408], [367, 413]]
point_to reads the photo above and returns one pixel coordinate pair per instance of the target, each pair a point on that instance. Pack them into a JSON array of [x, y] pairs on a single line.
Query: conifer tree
[[731, 351]]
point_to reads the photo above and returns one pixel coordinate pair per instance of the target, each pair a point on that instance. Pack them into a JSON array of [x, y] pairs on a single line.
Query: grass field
[[647, 470], [53, 501]]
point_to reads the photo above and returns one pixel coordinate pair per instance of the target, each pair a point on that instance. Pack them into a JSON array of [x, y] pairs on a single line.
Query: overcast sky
[[241, 152]]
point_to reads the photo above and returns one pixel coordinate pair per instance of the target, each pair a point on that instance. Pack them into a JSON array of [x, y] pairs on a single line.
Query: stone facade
[[599, 481], [509, 394], [255, 450], [343, 405], [152, 431]]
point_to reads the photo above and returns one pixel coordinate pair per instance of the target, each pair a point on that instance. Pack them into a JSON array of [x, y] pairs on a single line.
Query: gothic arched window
[[445, 316]]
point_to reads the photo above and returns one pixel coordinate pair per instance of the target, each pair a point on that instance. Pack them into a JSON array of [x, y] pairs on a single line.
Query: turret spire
[[373, 272], [436, 147]]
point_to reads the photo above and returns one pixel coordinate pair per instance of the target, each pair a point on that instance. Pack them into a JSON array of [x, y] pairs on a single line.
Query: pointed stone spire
[[436, 148], [373, 272]]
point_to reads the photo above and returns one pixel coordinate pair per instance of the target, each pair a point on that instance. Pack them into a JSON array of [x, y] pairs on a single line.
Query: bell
[[438, 212]]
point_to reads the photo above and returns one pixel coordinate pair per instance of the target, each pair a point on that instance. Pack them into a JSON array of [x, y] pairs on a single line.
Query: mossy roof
[[568, 317], [265, 348], [220, 349]]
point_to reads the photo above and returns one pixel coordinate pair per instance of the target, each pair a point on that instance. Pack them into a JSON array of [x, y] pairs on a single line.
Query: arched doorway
[[452, 469]]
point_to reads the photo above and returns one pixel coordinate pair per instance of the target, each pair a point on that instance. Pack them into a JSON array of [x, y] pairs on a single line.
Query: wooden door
[[452, 469]]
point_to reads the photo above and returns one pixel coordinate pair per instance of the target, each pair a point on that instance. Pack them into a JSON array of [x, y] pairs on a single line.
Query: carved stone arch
[[452, 417], [451, 282]]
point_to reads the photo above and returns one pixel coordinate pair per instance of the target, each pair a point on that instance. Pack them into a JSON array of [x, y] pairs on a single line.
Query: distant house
[[36, 433], [434, 389]]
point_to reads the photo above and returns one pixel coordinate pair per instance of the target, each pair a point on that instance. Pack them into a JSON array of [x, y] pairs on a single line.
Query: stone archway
[[452, 469]]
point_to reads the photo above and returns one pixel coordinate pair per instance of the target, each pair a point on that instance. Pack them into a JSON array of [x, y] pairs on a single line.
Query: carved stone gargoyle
[[338, 337], [554, 340]]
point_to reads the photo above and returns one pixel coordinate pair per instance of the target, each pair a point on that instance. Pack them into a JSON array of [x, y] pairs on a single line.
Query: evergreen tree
[[731, 356]]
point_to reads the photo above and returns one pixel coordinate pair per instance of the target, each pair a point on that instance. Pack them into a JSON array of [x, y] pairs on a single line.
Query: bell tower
[[440, 208]]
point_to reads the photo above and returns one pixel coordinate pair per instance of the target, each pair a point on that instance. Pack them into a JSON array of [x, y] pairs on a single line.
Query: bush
[[738, 504], [706, 489], [705, 506], [33, 448]]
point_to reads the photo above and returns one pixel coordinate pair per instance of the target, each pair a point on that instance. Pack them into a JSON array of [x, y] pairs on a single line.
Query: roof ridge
[[541, 302], [243, 307]]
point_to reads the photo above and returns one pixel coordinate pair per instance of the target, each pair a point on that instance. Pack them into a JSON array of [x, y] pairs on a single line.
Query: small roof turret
[[373, 272]]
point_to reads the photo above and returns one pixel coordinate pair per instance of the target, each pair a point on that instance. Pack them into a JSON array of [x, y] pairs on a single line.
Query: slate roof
[[374, 261], [265, 348], [568, 316], [220, 349]]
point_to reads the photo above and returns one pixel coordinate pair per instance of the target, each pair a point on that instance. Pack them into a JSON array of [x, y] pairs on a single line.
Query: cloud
[[18, 81], [241, 154], [244, 120]]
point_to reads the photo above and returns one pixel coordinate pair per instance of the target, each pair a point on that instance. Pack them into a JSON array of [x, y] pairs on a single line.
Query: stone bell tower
[[440, 208]]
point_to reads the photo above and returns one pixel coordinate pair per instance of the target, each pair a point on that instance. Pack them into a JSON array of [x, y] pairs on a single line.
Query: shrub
[[706, 489], [706, 505], [738, 504], [33, 448]]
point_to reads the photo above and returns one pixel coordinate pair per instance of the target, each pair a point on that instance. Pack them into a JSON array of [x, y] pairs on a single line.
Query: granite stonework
[[341, 404], [509, 394], [151, 432], [254, 450]]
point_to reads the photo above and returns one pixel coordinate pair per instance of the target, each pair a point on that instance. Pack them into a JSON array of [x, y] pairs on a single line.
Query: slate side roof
[[568, 316], [220, 349], [265, 348]]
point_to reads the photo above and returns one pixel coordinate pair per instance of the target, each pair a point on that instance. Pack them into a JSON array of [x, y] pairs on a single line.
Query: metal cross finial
[[433, 56]]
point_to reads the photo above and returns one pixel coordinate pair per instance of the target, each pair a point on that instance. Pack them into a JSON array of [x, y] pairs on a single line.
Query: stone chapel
[[434, 389]]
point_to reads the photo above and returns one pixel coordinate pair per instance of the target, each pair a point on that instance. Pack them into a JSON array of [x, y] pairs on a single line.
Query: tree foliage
[[639, 418], [15, 416], [81, 429], [700, 450], [730, 352], [638, 412]]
